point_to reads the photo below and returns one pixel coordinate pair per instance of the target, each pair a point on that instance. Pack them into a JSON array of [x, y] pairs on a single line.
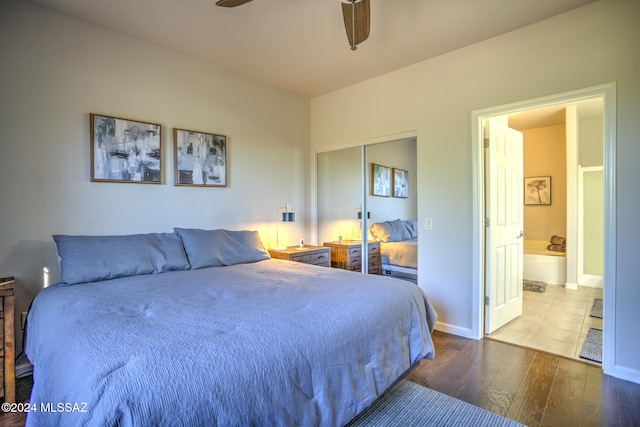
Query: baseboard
[[626, 374], [590, 281], [454, 330], [572, 286]]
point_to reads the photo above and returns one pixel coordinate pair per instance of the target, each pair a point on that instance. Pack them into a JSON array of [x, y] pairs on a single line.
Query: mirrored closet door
[[339, 184], [367, 207]]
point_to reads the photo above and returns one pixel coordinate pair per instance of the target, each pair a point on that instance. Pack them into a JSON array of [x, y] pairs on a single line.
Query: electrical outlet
[[428, 223], [24, 319]]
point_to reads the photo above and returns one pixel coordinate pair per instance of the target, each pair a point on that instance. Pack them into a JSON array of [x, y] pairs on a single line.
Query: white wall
[[590, 46], [591, 143], [397, 154], [55, 70]]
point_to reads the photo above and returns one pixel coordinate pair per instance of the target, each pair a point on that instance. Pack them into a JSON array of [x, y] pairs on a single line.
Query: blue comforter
[[268, 343]]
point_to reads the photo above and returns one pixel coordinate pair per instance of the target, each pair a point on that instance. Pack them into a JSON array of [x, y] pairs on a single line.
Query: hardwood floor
[[528, 386]]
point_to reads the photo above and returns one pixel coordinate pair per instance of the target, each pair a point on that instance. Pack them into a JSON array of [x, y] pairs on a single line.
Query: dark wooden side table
[[8, 350]]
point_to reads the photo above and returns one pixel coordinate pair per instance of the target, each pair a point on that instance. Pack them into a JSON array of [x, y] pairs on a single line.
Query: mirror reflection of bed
[[345, 181], [398, 248]]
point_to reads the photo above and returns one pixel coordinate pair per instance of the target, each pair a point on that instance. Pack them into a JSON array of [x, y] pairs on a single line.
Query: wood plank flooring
[[528, 386]]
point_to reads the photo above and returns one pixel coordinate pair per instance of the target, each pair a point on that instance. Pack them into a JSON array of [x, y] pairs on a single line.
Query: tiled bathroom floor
[[556, 321]]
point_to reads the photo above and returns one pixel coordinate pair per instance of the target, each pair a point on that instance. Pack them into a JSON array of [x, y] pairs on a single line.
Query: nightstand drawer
[[374, 262], [314, 255], [314, 258], [355, 251], [355, 264]]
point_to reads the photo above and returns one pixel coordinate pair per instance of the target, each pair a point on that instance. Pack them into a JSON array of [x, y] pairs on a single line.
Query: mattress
[[402, 254], [265, 343]]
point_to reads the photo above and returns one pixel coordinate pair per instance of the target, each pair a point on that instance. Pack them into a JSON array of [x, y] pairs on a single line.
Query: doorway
[[606, 94], [557, 318]]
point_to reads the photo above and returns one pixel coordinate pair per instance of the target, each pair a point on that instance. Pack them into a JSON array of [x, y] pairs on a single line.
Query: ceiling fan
[[356, 14]]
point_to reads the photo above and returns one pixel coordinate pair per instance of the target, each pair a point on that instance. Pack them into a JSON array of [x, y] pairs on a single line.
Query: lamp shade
[[288, 216], [360, 215]]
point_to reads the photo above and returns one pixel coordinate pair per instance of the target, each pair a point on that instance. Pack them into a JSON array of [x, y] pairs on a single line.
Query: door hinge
[[486, 301], [487, 222], [486, 143]]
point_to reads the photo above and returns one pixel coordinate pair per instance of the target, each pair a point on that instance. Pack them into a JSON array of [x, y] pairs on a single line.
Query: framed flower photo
[[537, 190]]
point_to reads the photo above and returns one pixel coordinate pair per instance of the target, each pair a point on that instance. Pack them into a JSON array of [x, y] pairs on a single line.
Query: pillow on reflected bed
[[94, 258], [391, 231], [216, 248]]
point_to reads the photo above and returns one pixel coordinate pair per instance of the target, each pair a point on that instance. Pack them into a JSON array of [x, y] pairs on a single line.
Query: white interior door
[[504, 232]]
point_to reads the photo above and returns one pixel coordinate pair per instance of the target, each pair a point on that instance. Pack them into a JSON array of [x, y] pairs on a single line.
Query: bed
[[202, 327], [398, 248]]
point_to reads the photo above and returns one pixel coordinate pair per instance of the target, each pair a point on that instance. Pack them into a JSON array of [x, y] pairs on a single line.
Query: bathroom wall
[[545, 155]]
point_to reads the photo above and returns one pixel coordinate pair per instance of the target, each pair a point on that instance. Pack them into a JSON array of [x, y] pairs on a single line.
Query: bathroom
[[563, 211]]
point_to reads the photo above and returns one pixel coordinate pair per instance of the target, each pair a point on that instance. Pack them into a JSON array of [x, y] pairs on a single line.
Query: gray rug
[[592, 346], [534, 285], [596, 309], [410, 404], [23, 388]]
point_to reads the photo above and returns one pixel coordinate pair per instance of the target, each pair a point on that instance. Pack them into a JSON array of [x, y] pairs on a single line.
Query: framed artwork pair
[[129, 151], [386, 181]]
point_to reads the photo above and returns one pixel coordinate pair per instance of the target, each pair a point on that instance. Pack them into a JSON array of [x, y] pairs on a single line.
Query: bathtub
[[541, 264]]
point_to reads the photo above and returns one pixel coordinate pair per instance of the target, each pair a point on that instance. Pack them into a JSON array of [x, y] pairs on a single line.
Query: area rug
[[596, 309], [592, 346], [410, 404], [534, 285]]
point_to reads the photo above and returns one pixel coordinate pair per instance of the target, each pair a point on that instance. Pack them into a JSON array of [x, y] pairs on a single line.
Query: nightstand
[[7, 351], [316, 255], [348, 255]]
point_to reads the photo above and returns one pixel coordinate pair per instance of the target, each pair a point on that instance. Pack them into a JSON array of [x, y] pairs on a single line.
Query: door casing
[[607, 93]]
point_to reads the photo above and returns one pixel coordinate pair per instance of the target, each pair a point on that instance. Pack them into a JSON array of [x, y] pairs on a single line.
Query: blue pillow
[[93, 258], [216, 248], [412, 228], [390, 231]]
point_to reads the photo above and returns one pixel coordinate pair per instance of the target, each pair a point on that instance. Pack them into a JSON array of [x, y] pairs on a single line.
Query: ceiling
[[300, 45], [590, 109]]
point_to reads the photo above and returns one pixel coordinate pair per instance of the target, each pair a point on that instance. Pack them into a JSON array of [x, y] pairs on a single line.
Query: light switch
[[428, 223]]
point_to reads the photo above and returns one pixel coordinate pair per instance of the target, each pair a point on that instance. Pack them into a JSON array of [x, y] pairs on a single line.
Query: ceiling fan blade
[[356, 21], [231, 3]]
